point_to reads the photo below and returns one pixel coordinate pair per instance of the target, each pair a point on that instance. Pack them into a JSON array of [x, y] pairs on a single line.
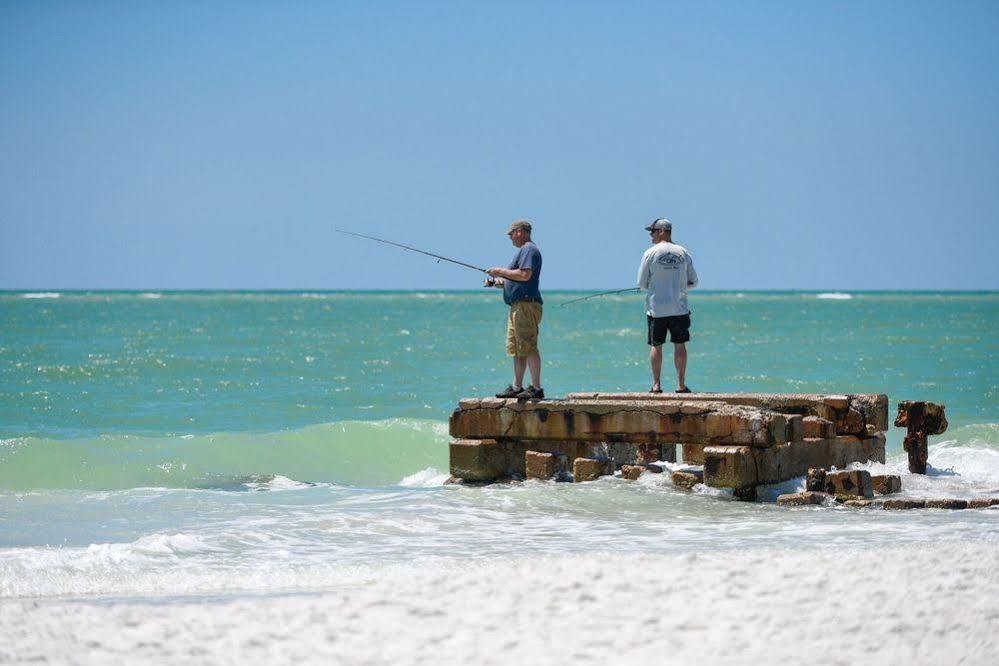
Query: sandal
[[653, 390], [686, 390]]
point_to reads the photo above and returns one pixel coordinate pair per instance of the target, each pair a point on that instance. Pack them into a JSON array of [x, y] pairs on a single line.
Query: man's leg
[[656, 361], [519, 365], [534, 363], [680, 361]]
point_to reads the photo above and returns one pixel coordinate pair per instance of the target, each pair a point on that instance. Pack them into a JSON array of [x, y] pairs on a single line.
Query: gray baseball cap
[[660, 224]]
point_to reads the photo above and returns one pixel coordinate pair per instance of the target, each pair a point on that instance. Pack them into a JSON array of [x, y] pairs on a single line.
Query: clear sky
[[794, 145]]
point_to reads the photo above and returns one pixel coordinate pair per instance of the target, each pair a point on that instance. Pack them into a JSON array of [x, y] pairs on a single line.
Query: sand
[[933, 604]]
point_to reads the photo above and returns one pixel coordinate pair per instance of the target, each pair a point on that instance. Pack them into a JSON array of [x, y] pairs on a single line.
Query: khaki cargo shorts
[[522, 328]]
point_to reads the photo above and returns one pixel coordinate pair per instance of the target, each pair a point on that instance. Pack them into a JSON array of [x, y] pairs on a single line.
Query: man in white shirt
[[667, 272]]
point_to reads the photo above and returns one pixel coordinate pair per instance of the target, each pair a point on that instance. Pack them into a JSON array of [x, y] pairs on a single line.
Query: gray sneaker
[[509, 392], [531, 393]]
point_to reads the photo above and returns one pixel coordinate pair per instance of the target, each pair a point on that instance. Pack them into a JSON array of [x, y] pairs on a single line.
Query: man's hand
[[496, 272]]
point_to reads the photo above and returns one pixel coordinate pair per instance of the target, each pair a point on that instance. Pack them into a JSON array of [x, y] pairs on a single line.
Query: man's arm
[[515, 274], [643, 271], [691, 273]]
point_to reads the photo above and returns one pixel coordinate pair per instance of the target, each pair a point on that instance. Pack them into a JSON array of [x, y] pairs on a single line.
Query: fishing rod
[[438, 257], [603, 293]]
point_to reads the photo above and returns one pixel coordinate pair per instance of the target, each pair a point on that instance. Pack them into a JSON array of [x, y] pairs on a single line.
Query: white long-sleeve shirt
[[667, 272]]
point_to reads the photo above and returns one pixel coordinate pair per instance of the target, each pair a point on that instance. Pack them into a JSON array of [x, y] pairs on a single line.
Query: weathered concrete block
[[946, 504], [801, 499], [837, 401], [983, 502], [729, 466], [815, 479], [886, 484], [693, 454], [590, 469], [543, 465], [477, 459], [818, 427], [855, 483], [851, 422], [859, 503], [901, 504], [687, 479], [632, 472], [650, 453], [786, 461], [916, 446], [846, 449]]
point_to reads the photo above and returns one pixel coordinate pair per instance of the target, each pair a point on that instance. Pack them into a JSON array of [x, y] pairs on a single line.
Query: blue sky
[[795, 145]]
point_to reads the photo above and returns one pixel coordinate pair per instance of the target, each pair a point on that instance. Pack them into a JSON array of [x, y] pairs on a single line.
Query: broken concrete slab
[[873, 408], [886, 484], [687, 479], [815, 479], [643, 422], [983, 502], [730, 467], [902, 504], [543, 465], [853, 483], [632, 472], [802, 499], [591, 469], [477, 459], [946, 504]]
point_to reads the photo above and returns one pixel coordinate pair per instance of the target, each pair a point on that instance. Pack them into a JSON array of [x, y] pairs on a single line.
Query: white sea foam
[[151, 294], [835, 296], [426, 478], [42, 294], [277, 483]]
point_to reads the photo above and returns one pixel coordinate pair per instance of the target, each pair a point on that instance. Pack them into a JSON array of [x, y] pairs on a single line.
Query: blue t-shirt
[[528, 256]]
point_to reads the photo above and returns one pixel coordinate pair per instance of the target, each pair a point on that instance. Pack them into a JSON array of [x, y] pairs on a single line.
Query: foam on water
[[42, 294], [835, 296]]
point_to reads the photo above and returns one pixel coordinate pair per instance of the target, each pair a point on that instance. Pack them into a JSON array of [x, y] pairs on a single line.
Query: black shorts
[[678, 327]]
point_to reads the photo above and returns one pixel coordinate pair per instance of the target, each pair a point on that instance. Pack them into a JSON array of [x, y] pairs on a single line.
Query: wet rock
[[983, 502], [946, 504], [543, 465], [916, 446], [886, 484], [851, 423], [745, 494], [729, 466], [453, 480], [858, 503], [655, 468], [650, 453], [856, 483], [815, 481], [591, 469], [802, 499], [687, 479], [477, 459], [632, 472], [901, 504]]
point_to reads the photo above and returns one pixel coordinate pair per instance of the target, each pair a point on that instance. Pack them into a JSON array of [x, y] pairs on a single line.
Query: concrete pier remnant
[[920, 419], [742, 439]]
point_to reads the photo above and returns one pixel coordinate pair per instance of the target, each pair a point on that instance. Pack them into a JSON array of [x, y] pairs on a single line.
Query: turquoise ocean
[[167, 444]]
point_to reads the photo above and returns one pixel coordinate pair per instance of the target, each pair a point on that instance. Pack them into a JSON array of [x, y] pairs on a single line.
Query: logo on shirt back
[[669, 260]]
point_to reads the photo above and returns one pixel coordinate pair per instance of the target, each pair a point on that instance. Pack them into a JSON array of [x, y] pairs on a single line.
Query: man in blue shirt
[[520, 284]]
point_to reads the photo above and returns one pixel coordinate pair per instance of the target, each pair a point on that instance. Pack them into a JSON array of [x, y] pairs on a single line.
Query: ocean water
[[155, 445]]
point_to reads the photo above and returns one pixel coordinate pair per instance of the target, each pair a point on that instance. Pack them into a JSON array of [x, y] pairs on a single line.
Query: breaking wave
[[835, 296], [363, 453]]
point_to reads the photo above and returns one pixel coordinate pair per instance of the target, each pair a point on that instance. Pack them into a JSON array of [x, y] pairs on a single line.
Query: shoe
[[655, 390], [509, 392], [686, 390], [531, 393]]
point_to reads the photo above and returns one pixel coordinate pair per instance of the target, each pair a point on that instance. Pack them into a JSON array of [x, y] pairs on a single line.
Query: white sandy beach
[[934, 604]]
